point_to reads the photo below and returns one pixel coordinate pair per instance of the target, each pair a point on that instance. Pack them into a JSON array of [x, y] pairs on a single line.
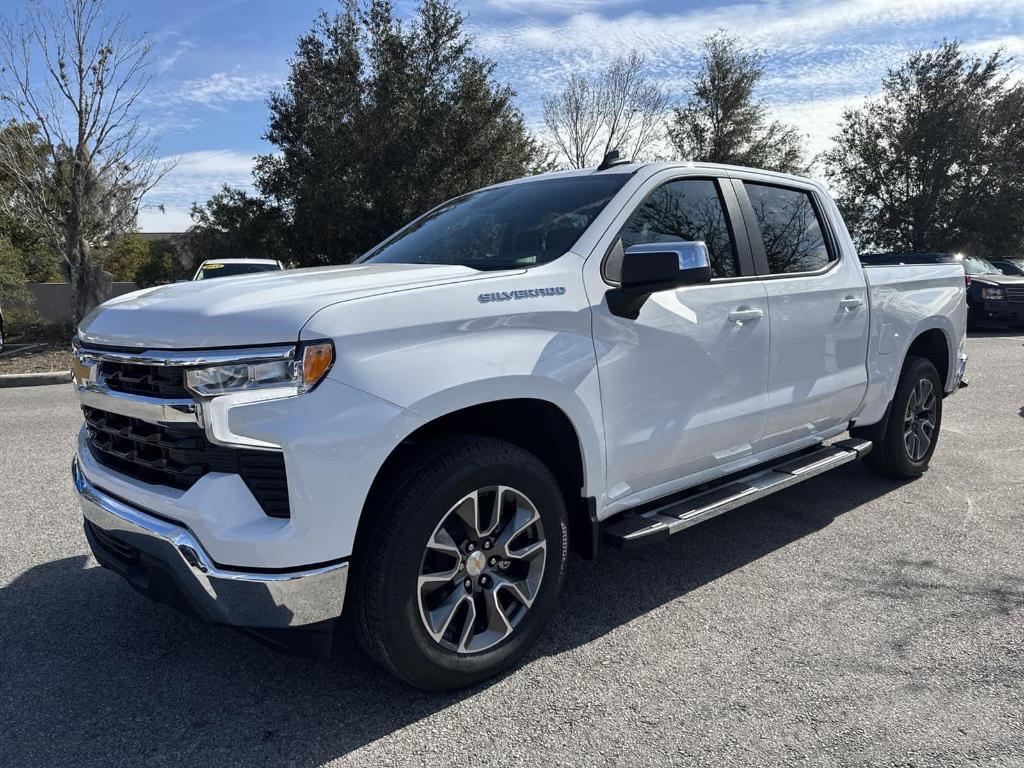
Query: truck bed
[[907, 300]]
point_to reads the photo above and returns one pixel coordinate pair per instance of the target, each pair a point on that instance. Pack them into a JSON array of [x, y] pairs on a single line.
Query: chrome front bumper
[[166, 562]]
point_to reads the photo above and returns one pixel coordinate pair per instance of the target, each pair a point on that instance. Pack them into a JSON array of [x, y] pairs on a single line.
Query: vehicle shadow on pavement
[[993, 332], [93, 674]]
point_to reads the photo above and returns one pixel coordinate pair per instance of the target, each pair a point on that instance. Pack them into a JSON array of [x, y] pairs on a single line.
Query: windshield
[[974, 265], [216, 269], [520, 225]]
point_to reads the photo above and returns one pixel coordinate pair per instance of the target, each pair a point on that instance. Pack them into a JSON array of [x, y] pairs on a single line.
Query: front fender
[[441, 349]]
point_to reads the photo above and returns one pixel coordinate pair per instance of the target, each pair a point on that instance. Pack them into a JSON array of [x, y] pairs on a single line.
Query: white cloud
[[222, 87], [786, 23], [555, 6], [216, 162], [166, 63], [171, 219], [836, 46], [817, 119], [1012, 47], [196, 176]]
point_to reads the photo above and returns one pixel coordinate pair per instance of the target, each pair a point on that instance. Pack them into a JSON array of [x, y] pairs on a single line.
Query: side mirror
[[654, 267]]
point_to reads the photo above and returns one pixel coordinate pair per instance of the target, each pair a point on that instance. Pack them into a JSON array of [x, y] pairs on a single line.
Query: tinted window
[[520, 225], [973, 265], [230, 270], [686, 210], [1010, 266], [790, 229]]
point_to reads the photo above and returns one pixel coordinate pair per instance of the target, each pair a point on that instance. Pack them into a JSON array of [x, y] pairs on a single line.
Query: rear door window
[[791, 230]]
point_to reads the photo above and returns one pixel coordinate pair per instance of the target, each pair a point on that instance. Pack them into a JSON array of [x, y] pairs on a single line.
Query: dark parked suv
[[992, 296]]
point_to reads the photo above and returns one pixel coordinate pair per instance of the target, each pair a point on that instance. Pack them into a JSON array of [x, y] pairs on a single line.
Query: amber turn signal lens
[[316, 360]]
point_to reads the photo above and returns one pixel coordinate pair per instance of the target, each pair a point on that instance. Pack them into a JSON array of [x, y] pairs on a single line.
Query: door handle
[[743, 314], [851, 303]]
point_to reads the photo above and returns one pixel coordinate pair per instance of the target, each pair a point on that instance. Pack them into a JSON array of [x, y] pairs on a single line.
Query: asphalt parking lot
[[848, 621]]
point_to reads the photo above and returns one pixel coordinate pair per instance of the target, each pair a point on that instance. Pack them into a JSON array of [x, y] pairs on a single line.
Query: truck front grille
[[139, 379], [1015, 293], [177, 455]]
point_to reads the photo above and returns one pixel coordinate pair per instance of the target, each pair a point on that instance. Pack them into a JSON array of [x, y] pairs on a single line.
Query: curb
[[34, 379]]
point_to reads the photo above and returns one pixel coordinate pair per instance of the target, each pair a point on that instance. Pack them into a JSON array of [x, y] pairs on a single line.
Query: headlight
[[993, 292], [291, 375]]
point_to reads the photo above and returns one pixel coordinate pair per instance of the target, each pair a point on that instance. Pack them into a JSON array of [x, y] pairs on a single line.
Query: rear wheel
[[458, 576], [905, 440]]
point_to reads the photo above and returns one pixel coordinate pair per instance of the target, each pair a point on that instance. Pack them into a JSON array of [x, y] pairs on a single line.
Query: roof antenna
[[612, 159]]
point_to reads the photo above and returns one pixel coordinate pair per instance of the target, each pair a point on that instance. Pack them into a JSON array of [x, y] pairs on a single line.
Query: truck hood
[[263, 308], [998, 279]]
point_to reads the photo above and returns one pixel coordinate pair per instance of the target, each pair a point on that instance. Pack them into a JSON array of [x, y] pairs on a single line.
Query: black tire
[[384, 595], [891, 456]]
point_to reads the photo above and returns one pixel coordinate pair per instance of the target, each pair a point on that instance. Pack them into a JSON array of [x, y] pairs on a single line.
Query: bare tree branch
[[79, 158], [621, 109]]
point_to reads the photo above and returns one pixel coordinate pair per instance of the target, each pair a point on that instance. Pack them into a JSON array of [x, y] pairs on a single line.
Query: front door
[[684, 386]]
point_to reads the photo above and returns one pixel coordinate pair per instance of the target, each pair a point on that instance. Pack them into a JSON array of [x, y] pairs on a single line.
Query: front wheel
[[458, 576], [905, 440]]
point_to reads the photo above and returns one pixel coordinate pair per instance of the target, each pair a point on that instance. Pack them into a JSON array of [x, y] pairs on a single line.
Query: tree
[[379, 121], [620, 109], [12, 274], [163, 265], [77, 155], [722, 122], [123, 258], [935, 162], [37, 263], [236, 225]]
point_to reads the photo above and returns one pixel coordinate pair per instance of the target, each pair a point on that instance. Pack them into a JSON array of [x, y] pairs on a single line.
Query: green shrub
[[12, 275], [24, 326]]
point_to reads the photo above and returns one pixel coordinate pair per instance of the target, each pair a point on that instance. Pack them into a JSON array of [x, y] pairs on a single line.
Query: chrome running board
[[657, 524]]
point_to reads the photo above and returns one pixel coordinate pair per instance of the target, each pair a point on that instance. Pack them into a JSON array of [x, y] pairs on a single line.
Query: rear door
[[818, 310], [684, 385]]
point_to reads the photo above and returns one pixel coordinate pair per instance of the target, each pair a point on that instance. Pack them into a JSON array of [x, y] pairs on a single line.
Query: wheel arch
[[933, 338], [535, 424], [934, 345]]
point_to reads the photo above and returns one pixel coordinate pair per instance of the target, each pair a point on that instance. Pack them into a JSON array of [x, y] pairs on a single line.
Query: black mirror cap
[[659, 272], [649, 268], [660, 267]]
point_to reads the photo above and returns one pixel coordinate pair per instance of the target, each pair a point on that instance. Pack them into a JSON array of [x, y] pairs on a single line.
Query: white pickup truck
[[609, 355]]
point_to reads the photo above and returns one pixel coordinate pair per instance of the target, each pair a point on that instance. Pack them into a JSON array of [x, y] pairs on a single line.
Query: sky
[[216, 61]]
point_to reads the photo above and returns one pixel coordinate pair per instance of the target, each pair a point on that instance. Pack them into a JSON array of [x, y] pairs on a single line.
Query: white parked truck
[[422, 437]]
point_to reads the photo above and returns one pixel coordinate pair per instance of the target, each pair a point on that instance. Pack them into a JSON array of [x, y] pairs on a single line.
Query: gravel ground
[[845, 622], [35, 360]]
